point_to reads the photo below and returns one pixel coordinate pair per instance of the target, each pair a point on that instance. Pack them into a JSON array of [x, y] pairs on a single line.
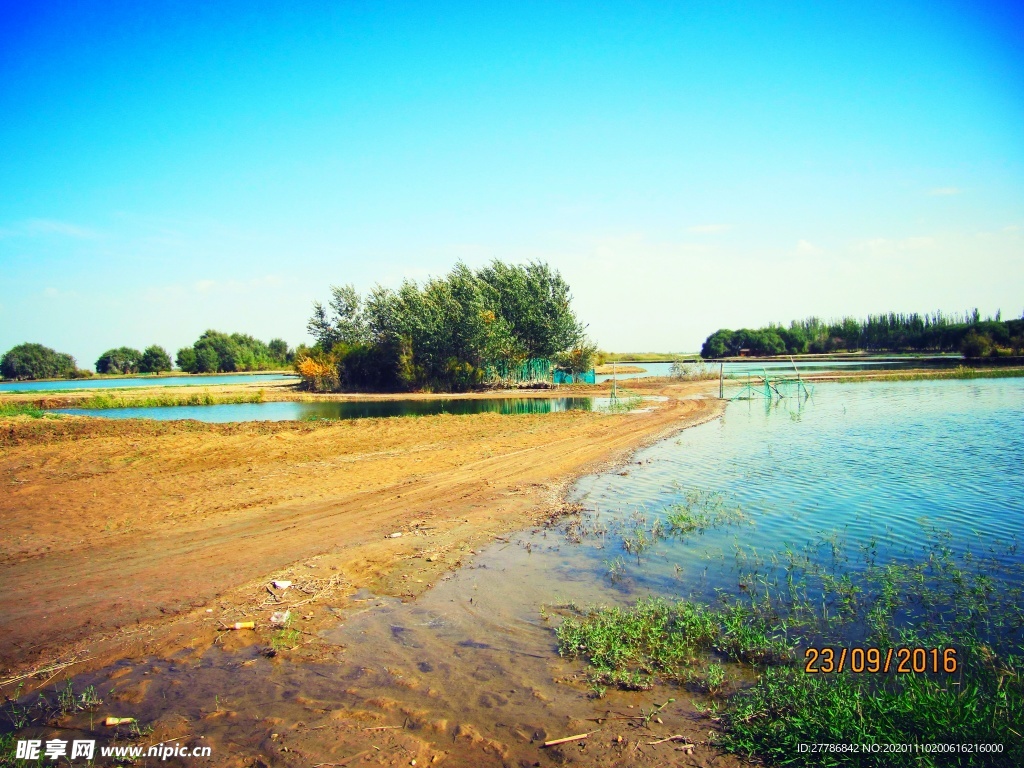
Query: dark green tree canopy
[[892, 332], [344, 323], [120, 360], [155, 360], [536, 302], [217, 352], [445, 332], [34, 361]]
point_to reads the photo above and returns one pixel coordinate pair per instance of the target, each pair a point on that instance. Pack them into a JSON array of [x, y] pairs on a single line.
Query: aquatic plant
[[822, 596]]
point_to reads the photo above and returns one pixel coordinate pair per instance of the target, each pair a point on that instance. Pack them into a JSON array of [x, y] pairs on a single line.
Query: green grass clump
[[658, 639], [682, 643], [104, 401], [701, 511], [21, 409], [942, 600], [788, 707]]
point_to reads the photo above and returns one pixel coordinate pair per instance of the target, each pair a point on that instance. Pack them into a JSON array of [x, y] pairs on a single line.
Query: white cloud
[[51, 226], [944, 191], [42, 227], [708, 229], [881, 245], [238, 286], [807, 248], [56, 293]]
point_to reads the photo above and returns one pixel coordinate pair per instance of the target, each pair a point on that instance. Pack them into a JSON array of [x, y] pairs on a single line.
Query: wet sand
[[119, 536], [131, 545]]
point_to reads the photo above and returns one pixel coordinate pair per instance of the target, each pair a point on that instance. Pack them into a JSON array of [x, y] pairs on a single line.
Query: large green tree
[[447, 331], [536, 303], [216, 351], [34, 361], [120, 360], [155, 360]]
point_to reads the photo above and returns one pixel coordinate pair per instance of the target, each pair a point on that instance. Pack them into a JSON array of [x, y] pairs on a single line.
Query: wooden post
[[721, 381]]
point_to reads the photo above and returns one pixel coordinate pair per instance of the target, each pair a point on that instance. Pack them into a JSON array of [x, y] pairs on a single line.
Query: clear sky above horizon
[[168, 167]]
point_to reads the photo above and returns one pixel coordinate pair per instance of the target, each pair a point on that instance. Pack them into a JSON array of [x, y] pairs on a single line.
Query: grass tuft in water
[[960, 372], [824, 595]]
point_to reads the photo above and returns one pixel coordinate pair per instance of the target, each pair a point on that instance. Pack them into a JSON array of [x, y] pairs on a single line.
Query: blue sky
[[170, 167]]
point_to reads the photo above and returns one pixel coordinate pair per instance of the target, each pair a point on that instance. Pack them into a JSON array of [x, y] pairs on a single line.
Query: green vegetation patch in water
[[786, 614]]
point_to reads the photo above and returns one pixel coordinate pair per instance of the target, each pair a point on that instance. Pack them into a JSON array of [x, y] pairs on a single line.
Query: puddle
[[469, 673]]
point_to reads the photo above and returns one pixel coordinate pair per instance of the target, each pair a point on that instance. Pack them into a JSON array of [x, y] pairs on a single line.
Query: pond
[[353, 409], [886, 466], [144, 381], [753, 366]]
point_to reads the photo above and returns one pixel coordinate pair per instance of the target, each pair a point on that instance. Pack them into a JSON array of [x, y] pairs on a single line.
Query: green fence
[[564, 377], [534, 369]]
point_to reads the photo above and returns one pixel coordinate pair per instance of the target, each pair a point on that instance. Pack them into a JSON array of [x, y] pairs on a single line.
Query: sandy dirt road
[[118, 537]]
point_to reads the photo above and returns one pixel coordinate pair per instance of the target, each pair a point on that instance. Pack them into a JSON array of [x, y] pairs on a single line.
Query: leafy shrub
[[976, 345], [318, 376]]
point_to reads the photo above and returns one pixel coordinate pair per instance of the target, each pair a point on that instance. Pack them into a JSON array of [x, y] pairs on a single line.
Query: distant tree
[[207, 360], [222, 347], [155, 360], [120, 360], [186, 360], [893, 332], [279, 351], [976, 345], [718, 344], [345, 323], [34, 361], [579, 359]]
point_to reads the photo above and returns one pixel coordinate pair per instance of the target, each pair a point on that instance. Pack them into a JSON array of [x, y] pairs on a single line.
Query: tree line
[[213, 352], [448, 334], [892, 332], [216, 352]]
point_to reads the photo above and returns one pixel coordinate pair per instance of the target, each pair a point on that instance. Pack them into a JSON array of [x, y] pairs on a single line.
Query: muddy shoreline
[[130, 532]]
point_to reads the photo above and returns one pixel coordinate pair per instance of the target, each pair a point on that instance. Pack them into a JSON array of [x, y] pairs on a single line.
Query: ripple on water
[[892, 462]]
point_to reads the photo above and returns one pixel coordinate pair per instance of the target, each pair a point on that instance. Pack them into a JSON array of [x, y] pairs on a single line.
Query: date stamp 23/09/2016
[[903, 661]]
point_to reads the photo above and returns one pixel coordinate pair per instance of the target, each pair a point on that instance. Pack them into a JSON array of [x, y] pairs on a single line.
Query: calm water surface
[[741, 369], [144, 381], [888, 466], [362, 409]]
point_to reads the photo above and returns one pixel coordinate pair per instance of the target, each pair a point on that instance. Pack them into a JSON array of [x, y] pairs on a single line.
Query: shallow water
[[892, 465], [357, 409], [889, 462], [739, 369], [144, 381]]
